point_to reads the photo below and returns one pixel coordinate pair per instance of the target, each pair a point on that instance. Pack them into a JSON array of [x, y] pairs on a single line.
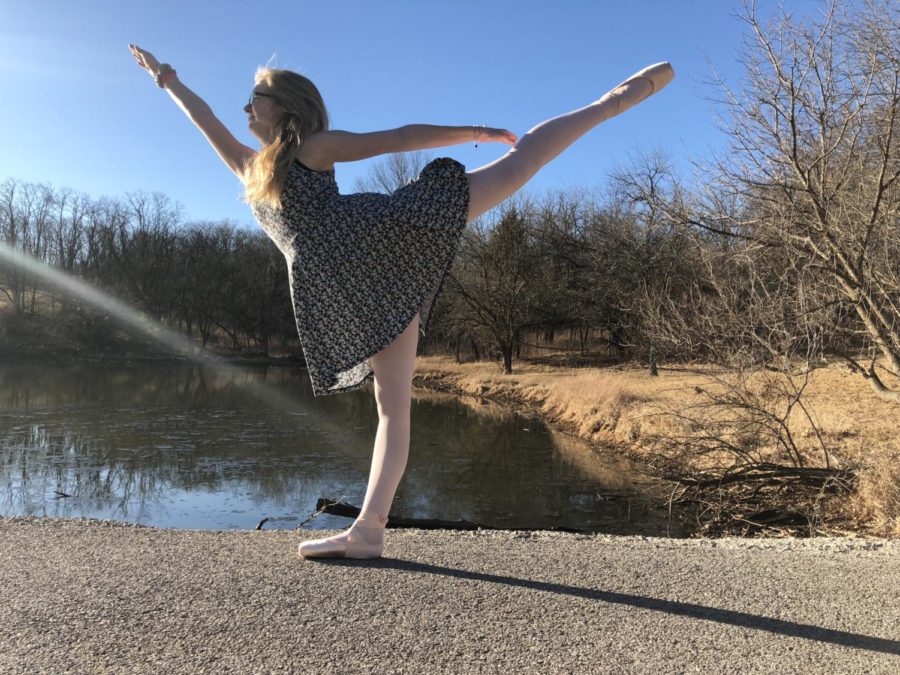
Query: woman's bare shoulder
[[314, 154]]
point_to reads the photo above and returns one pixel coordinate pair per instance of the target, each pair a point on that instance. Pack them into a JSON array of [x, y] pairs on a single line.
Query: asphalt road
[[87, 596]]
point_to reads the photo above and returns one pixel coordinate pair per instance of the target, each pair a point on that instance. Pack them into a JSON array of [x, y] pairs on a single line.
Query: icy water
[[177, 445]]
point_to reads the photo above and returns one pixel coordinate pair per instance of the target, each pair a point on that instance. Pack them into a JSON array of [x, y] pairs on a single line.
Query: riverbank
[[35, 338], [95, 596], [831, 465], [665, 423]]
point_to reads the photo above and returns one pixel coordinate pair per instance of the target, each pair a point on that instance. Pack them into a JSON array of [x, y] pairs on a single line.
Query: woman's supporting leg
[[494, 182], [394, 367]]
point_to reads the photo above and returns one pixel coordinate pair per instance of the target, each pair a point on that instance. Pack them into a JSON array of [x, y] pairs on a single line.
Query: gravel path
[[90, 596]]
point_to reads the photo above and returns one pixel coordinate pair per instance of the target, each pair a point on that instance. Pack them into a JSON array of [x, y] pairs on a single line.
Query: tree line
[[785, 245], [201, 278]]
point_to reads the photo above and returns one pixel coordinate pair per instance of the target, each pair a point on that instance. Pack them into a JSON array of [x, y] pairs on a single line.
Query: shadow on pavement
[[725, 616]]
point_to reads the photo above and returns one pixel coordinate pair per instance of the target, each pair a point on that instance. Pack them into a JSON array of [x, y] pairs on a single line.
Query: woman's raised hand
[[145, 60], [490, 135]]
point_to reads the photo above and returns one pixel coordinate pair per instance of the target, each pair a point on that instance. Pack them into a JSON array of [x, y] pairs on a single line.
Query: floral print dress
[[362, 265]]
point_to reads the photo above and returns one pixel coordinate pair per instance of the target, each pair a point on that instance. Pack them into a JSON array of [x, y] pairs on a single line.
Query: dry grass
[[647, 417], [586, 400]]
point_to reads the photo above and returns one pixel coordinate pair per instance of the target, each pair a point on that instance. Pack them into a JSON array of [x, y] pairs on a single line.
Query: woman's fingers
[[144, 58], [502, 136], [136, 53]]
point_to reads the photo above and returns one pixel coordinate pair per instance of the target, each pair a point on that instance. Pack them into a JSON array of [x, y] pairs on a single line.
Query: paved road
[[87, 596]]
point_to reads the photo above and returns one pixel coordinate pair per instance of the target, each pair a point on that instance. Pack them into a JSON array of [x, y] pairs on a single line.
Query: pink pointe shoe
[[625, 95], [364, 539]]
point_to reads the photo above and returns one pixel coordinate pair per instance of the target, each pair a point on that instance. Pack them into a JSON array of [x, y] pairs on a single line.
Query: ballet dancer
[[365, 269]]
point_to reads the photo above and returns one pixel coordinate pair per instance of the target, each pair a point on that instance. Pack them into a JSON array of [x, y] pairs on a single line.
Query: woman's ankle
[[370, 530], [371, 519]]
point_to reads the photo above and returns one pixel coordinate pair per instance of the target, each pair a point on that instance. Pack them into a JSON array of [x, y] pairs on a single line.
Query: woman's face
[[262, 113]]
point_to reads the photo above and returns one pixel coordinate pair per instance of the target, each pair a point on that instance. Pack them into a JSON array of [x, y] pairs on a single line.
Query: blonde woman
[[365, 269]]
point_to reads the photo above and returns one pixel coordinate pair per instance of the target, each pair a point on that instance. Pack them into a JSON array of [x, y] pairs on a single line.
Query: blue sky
[[80, 113]]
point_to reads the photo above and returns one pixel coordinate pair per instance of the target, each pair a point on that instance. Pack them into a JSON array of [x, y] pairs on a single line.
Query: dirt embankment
[[829, 464]]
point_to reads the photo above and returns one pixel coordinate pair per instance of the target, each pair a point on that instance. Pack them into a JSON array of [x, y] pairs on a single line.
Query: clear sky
[[78, 112]]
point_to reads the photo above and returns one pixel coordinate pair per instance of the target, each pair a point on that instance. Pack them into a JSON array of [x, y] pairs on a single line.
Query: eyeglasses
[[254, 95]]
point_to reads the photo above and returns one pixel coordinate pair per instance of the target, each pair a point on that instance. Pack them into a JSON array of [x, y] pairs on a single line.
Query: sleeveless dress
[[362, 265]]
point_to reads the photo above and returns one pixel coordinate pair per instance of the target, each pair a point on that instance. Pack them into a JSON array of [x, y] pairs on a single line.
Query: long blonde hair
[[304, 114]]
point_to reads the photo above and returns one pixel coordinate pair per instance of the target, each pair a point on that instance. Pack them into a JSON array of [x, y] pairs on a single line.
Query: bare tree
[[818, 123], [67, 232], [24, 222], [201, 250], [146, 250], [810, 181], [10, 231], [563, 292], [393, 172], [493, 277]]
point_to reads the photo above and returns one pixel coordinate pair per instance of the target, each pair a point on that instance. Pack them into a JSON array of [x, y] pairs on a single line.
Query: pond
[[187, 446]]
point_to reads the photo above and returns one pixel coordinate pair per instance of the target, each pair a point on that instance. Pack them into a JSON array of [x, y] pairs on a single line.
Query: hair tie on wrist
[[165, 78], [163, 74]]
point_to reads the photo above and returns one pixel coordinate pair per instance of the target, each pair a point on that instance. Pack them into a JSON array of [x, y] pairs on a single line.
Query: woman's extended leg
[[394, 367], [494, 182]]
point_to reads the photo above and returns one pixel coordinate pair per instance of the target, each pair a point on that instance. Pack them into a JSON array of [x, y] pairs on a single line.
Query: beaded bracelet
[[478, 129]]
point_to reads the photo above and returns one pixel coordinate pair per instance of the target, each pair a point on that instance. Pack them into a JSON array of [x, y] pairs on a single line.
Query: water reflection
[[174, 445]]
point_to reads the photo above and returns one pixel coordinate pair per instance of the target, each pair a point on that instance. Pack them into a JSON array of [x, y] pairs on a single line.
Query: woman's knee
[[394, 399], [393, 384]]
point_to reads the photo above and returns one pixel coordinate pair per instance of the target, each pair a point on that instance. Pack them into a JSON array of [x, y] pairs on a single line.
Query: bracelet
[[478, 129], [165, 78], [163, 73]]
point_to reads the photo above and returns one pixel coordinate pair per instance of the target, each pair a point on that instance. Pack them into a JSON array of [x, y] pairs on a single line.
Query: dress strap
[[297, 161]]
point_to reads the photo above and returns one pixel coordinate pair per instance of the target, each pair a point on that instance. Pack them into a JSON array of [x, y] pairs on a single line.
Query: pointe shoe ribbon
[[657, 76]]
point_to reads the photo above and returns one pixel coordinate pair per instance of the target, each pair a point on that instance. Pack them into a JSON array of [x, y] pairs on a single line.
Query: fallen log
[[334, 508], [817, 477]]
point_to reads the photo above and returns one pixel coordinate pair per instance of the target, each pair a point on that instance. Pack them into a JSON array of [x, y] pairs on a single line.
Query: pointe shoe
[[350, 544], [658, 76]]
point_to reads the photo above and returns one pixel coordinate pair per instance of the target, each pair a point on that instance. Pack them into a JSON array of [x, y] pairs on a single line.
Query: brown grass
[[644, 417]]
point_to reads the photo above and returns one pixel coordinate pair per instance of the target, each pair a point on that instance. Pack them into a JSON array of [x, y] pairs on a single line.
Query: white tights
[[394, 367]]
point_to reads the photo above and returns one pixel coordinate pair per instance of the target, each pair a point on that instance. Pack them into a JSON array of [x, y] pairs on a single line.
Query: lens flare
[[139, 322]]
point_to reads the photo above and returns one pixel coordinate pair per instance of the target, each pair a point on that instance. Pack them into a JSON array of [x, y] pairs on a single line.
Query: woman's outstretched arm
[[343, 146], [234, 153]]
